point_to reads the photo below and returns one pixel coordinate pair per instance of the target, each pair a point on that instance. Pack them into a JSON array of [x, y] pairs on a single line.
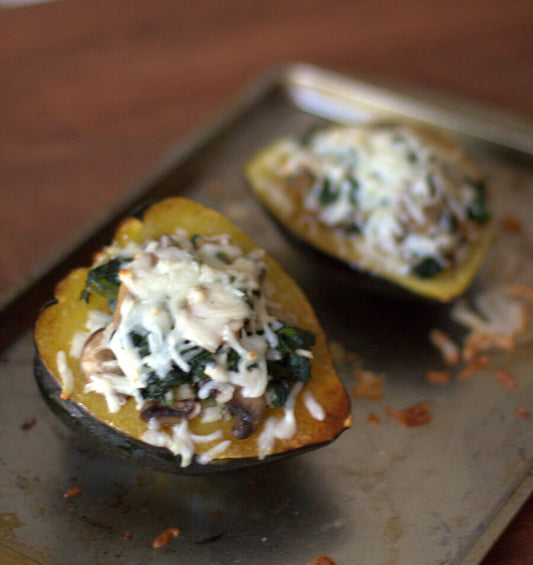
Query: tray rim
[[502, 518], [437, 108]]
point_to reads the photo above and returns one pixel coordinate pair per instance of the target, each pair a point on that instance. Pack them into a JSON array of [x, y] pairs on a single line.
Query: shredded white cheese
[[279, 428], [399, 196], [176, 299], [496, 319], [212, 414], [107, 386], [276, 428], [65, 373], [182, 299], [313, 407], [182, 443], [448, 348], [215, 451], [157, 438], [97, 319], [77, 343]]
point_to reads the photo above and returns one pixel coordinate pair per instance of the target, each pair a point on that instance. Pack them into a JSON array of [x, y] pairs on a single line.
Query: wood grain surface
[[92, 93]]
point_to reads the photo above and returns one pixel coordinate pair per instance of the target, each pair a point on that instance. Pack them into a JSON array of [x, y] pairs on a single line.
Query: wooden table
[[92, 93]]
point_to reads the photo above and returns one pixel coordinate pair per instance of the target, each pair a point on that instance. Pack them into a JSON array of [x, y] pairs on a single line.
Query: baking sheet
[[435, 494]]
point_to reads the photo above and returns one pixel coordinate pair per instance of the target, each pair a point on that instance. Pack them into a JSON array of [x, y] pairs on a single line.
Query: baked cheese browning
[[395, 192], [194, 333]]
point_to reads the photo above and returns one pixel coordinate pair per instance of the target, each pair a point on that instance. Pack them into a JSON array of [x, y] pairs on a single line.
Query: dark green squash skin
[[106, 439]]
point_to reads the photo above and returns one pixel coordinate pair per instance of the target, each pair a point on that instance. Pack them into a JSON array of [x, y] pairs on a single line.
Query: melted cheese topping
[[181, 296], [396, 194], [279, 428], [65, 373]]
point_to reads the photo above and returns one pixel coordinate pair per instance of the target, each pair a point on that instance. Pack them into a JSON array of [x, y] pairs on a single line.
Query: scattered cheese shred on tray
[[449, 350], [416, 415], [495, 321]]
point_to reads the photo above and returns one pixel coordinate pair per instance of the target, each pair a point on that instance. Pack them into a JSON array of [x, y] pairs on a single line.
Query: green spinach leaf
[[104, 281]]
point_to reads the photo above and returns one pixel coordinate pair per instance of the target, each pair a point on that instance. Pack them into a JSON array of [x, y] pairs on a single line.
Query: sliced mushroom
[[249, 413], [97, 358], [169, 415]]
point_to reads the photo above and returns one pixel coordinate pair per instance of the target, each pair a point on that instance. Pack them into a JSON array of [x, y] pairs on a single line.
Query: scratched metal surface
[[381, 493]]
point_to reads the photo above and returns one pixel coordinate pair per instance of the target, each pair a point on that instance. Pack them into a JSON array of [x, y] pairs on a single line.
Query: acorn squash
[[122, 432], [396, 207]]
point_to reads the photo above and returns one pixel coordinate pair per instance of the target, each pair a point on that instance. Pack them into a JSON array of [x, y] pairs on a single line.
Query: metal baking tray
[[435, 494]]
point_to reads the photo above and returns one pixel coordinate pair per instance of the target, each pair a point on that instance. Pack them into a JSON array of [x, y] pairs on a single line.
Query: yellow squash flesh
[[58, 323], [285, 204]]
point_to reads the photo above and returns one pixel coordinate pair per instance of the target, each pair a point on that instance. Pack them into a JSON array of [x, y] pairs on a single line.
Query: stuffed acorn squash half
[[185, 348], [404, 205]]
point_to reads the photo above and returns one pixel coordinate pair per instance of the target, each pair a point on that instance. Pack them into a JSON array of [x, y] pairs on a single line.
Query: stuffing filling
[[395, 194], [194, 333]]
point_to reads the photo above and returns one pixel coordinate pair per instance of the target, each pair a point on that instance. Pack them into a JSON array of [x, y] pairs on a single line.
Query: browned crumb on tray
[[438, 377], [511, 224], [416, 415], [506, 379], [475, 366], [479, 342], [72, 492], [323, 560], [523, 414], [368, 385], [127, 535], [163, 539], [373, 418]]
